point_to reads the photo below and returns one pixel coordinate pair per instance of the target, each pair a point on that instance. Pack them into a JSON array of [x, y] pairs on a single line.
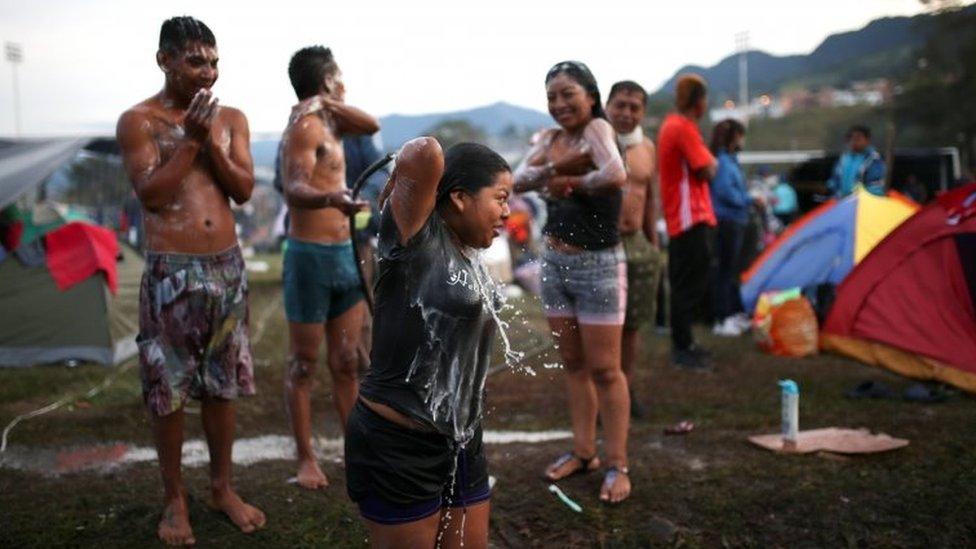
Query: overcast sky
[[86, 61]]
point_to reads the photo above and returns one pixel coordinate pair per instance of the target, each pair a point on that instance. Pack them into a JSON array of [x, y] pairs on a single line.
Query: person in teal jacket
[[784, 201], [861, 163]]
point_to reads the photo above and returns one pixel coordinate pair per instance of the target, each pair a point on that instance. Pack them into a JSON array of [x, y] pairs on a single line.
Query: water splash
[[495, 303], [448, 386], [446, 519]]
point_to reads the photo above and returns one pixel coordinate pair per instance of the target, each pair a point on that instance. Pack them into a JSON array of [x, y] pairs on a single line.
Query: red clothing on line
[[76, 250]]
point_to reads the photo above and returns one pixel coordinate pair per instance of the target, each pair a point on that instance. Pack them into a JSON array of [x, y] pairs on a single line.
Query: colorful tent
[[910, 306], [68, 313], [824, 245]]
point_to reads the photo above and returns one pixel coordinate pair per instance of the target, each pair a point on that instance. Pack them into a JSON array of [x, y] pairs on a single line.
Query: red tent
[[910, 305]]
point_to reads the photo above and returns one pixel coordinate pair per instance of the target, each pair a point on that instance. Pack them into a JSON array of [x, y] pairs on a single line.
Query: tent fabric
[[31, 254], [41, 324], [914, 293], [901, 362], [876, 217], [12, 234], [966, 247], [823, 246], [23, 357], [39, 219], [78, 250], [818, 248], [123, 308], [25, 163]]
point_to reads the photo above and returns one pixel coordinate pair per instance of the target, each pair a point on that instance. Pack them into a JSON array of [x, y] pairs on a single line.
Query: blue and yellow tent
[[824, 245]]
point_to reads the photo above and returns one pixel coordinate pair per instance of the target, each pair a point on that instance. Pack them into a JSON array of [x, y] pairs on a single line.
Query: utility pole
[[15, 54], [742, 47]]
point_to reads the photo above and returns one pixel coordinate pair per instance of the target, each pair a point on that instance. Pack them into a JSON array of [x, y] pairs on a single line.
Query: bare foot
[[310, 476], [174, 525], [616, 485], [247, 517]]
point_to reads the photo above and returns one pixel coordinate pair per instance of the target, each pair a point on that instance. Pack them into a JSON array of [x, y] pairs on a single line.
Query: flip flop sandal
[[610, 478], [924, 394], [870, 389], [563, 460], [680, 428]]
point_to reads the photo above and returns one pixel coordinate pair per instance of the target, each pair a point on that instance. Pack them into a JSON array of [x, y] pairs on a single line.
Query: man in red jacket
[[686, 166]]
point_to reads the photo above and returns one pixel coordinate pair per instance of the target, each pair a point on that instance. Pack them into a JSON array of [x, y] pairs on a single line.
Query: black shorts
[[398, 475]]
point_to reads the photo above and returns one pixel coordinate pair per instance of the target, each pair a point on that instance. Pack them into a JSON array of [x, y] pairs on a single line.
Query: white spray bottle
[[790, 392]]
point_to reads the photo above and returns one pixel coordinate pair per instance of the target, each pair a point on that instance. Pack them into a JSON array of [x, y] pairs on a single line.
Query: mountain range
[[494, 120], [882, 48]]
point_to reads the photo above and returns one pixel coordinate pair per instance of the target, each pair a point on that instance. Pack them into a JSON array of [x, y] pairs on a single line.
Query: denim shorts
[[590, 286]]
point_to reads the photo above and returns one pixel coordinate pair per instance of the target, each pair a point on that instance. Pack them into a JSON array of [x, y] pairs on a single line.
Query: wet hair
[[469, 167], [627, 86], [177, 32], [861, 129], [308, 68], [724, 134], [581, 74], [689, 90]]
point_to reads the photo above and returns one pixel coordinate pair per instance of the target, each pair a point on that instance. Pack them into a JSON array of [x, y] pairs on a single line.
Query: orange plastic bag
[[786, 327]]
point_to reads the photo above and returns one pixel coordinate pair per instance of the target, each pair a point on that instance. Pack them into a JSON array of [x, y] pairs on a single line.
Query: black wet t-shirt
[[589, 221], [432, 329]]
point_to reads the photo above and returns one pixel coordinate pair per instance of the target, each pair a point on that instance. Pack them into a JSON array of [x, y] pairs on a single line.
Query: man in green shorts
[[323, 293], [625, 109]]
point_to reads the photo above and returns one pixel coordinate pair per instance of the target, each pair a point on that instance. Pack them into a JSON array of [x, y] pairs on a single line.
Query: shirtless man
[[323, 293], [625, 110], [187, 157]]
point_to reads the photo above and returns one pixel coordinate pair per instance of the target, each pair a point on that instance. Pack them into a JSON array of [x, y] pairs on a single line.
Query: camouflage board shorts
[[193, 329], [643, 276]]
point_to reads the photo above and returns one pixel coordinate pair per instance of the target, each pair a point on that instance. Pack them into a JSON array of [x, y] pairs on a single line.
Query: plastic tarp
[[25, 163]]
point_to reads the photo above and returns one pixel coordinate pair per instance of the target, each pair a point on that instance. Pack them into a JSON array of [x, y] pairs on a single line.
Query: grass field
[[708, 488]]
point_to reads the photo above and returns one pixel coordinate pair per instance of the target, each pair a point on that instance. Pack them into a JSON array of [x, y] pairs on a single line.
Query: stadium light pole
[[742, 46], [15, 54]]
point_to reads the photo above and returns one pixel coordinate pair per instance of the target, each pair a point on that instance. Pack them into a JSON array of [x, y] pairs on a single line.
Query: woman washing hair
[[414, 457]]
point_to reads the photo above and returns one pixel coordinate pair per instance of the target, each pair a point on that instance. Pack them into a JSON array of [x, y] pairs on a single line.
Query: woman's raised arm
[[412, 189]]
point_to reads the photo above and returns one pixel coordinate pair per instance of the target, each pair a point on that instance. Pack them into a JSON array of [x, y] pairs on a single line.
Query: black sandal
[[585, 466], [610, 478]]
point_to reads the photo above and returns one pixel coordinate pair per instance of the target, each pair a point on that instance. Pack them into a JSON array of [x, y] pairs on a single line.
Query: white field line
[[247, 451]]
